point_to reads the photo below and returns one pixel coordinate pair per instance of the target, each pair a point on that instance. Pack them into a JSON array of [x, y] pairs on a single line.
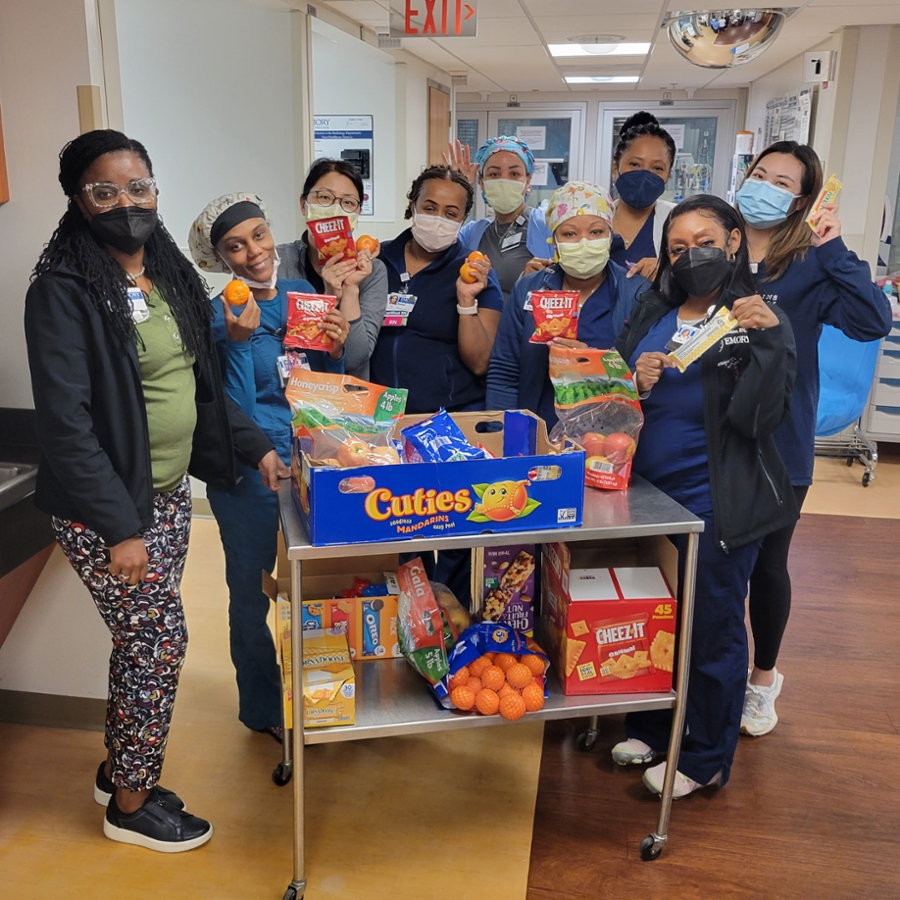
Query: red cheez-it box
[[608, 630]]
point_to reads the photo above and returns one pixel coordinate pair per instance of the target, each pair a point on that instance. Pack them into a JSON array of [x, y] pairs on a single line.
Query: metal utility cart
[[392, 699], [851, 445]]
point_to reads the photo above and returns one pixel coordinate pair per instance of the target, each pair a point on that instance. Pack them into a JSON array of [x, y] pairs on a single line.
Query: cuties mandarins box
[[527, 485], [608, 630]]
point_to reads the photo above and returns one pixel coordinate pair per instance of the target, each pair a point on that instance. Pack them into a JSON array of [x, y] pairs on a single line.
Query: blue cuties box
[[527, 487]]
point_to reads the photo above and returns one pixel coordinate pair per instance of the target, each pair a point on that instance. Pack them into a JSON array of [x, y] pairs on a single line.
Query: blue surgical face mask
[[763, 204], [640, 188]]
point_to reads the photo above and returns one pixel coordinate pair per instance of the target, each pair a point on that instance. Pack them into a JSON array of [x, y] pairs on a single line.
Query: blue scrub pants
[[718, 670], [247, 517]]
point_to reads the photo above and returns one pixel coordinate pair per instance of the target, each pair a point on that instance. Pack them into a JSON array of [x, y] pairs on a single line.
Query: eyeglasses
[[326, 198], [138, 190]]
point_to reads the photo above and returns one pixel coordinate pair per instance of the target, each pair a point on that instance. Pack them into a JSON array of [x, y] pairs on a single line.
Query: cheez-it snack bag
[[555, 315], [305, 312], [332, 237]]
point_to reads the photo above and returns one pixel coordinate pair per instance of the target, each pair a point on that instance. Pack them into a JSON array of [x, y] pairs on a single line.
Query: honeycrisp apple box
[[607, 629], [527, 487]]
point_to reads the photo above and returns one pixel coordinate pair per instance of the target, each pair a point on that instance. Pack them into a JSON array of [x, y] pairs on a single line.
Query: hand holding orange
[[236, 293]]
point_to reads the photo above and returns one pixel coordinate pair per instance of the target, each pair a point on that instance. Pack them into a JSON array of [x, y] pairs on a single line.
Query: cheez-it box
[[608, 630]]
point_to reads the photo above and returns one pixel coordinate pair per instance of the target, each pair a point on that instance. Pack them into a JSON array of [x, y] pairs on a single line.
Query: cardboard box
[[329, 684], [412, 500], [508, 586], [370, 623], [610, 629]]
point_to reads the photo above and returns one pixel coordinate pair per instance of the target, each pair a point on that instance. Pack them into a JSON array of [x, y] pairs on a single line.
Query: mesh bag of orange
[[495, 670], [343, 421]]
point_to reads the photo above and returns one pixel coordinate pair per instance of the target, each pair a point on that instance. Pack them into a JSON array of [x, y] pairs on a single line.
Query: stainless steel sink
[[16, 482]]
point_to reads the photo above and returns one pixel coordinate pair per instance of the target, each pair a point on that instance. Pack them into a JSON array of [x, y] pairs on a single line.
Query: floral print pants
[[149, 634]]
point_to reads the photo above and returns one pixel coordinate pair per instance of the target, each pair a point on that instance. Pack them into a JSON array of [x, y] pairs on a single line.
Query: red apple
[[352, 453], [592, 442], [618, 447]]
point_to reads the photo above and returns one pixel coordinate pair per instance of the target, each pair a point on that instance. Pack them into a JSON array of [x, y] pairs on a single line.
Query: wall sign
[[433, 18], [350, 138]]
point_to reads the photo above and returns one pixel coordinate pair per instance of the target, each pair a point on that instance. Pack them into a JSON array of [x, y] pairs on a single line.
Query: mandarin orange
[[512, 707], [460, 677], [533, 697], [535, 663], [474, 685], [487, 702], [492, 677], [519, 676], [505, 661], [478, 666], [236, 293], [462, 698]]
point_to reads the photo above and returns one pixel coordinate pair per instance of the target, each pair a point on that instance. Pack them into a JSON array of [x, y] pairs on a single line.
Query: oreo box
[[526, 486], [607, 629]]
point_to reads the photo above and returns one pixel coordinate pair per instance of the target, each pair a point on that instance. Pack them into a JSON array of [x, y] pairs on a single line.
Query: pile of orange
[[466, 271], [500, 683]]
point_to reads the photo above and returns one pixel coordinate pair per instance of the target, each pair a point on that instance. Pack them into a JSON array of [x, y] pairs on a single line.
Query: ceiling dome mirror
[[723, 38]]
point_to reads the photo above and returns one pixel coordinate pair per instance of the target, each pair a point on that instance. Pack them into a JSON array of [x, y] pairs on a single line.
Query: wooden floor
[[811, 811]]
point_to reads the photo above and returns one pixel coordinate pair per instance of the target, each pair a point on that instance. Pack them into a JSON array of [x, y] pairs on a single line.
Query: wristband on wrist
[[467, 310]]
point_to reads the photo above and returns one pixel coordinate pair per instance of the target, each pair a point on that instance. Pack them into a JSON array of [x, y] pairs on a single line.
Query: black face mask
[[701, 270], [127, 228]]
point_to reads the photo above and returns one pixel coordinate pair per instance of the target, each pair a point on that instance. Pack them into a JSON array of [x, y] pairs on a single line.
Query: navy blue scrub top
[[640, 248], [671, 452], [423, 356]]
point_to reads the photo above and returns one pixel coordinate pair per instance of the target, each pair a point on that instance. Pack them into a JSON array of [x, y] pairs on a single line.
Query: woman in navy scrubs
[[707, 442], [232, 235], [642, 163], [437, 338], [816, 280], [579, 217]]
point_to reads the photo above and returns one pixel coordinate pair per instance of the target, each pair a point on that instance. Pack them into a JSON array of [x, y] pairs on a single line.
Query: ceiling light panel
[[602, 79], [624, 49]]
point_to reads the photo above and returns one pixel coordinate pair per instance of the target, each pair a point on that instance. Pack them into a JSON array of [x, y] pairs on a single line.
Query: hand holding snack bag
[[555, 315], [598, 408], [344, 421], [332, 237], [306, 316]]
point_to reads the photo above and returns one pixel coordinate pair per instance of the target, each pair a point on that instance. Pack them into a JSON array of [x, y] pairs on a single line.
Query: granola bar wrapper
[[555, 315], [305, 313], [332, 237]]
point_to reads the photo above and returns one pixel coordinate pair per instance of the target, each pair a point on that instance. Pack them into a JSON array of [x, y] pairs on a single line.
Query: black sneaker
[[104, 789], [156, 826]]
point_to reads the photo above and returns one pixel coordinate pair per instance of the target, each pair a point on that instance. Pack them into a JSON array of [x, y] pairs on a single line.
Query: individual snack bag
[[438, 439], [423, 630], [332, 237], [598, 409], [708, 335], [555, 315], [494, 669], [343, 421], [828, 194], [305, 314]]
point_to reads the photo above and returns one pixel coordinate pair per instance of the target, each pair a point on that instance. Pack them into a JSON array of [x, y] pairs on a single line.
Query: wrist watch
[[468, 310]]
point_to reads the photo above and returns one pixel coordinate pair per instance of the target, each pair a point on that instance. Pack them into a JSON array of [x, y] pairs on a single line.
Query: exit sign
[[433, 18]]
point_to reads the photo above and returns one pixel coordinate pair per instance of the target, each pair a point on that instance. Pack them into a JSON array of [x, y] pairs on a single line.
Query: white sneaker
[[759, 715], [655, 777], [633, 752]]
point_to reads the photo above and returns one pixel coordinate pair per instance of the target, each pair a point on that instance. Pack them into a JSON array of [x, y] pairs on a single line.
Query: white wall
[[207, 87], [43, 56]]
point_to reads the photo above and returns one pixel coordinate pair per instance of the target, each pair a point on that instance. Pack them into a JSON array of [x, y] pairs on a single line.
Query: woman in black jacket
[[707, 442], [129, 400]]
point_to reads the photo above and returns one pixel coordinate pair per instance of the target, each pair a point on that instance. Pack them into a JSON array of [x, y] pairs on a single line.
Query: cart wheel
[[650, 849], [586, 741], [850, 461], [291, 894], [867, 479], [281, 776]]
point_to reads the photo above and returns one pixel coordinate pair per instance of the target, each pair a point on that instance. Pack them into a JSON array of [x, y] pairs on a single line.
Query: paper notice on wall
[[788, 118], [540, 177], [677, 132], [533, 135]]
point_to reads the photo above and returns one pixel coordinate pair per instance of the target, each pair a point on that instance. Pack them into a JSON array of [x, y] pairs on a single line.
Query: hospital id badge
[[287, 363], [398, 308], [682, 333], [510, 241], [139, 311]]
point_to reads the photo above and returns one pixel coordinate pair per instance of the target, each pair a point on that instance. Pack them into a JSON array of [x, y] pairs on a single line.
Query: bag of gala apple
[[343, 421], [599, 411]]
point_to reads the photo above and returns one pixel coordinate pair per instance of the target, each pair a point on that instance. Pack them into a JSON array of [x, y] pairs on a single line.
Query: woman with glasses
[[334, 188], [232, 235], [129, 399]]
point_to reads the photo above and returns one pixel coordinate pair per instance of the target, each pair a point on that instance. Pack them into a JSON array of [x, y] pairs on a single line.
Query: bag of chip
[[343, 421], [598, 409], [332, 237], [305, 314], [438, 439], [424, 632], [555, 315]]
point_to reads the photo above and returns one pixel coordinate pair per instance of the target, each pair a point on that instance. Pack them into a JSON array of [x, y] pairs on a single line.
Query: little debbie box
[[608, 629]]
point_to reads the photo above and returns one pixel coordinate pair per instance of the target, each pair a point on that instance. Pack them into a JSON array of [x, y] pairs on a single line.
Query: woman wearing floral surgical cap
[[232, 235], [503, 169], [580, 219]]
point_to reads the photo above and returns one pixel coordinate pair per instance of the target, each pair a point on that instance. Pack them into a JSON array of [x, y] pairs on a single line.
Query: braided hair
[[73, 246], [640, 124], [441, 173]]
